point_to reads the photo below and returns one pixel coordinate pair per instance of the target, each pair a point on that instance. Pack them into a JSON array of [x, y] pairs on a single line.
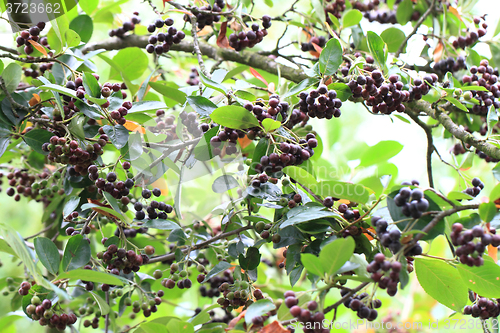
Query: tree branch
[[430, 145], [454, 129], [417, 25], [248, 58], [201, 245], [436, 220], [346, 296]]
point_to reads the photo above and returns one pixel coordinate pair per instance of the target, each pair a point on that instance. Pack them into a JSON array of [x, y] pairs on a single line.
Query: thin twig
[[106, 322], [196, 46], [41, 231], [430, 145], [201, 245], [415, 28]]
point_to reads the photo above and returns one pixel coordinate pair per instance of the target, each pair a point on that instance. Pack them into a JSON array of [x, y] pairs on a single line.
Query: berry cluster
[[483, 308], [194, 78], [34, 71], [412, 202], [237, 294], [263, 230], [130, 233], [472, 36], [203, 20], [214, 282], [336, 8], [180, 278], [250, 38], [320, 103], [388, 17], [126, 27], [391, 239], [161, 42], [291, 153], [190, 121], [308, 315], [477, 186], [227, 134], [348, 214], [118, 189], [470, 252], [489, 80], [274, 108], [319, 41], [155, 209], [62, 151], [164, 125], [385, 273], [450, 65], [117, 259], [365, 309], [32, 34], [388, 97], [42, 186], [46, 316]]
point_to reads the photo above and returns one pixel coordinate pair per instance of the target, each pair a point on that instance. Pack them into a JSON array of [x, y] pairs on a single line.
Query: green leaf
[[54, 40], [91, 85], [483, 279], [318, 10], [132, 61], [145, 106], [336, 254], [60, 89], [72, 38], [302, 85], [235, 117], [168, 91], [376, 46], [2, 66], [93, 276], [117, 134], [258, 308], [251, 260], [302, 176], [335, 20], [203, 106], [474, 88], [76, 253], [380, 152], [12, 76], [224, 183], [270, 124], [161, 224], [312, 264], [393, 37], [307, 212], [103, 306], [351, 17], [36, 138], [331, 57], [495, 192], [442, 282], [219, 268], [404, 12], [83, 26], [48, 254], [211, 83], [342, 190], [457, 103], [487, 211], [342, 89], [71, 205]]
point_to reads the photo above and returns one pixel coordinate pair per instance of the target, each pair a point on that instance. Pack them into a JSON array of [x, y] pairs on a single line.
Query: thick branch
[[454, 129], [248, 58]]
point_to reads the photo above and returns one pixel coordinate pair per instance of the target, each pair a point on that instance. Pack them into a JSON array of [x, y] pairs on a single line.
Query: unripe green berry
[[35, 300]]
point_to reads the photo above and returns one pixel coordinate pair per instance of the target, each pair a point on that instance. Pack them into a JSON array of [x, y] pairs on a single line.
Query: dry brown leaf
[[274, 327], [100, 211], [222, 40], [35, 100]]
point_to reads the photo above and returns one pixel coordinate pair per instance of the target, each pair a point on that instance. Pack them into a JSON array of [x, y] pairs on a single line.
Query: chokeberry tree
[[199, 166]]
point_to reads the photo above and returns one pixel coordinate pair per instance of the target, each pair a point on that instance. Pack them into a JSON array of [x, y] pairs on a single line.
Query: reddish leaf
[[317, 51], [438, 52], [244, 142], [39, 47], [34, 100], [222, 40], [234, 321], [100, 211], [455, 12], [258, 76], [274, 327]]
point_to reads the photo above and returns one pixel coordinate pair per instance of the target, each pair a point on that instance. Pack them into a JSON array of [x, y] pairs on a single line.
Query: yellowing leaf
[[39, 47], [455, 12]]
